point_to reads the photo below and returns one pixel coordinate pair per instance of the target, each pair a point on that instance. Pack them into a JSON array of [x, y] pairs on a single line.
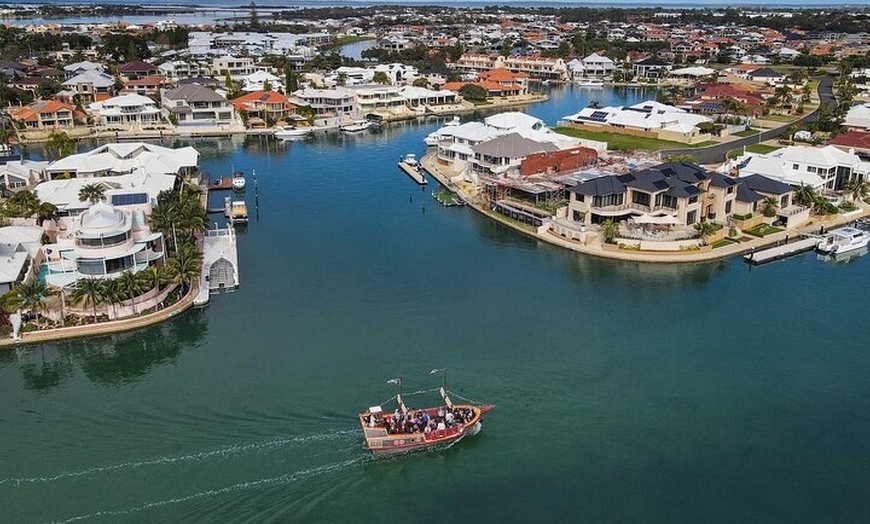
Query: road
[[716, 154]]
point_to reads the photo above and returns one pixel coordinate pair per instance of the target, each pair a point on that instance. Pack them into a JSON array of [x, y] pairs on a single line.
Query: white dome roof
[[102, 216]]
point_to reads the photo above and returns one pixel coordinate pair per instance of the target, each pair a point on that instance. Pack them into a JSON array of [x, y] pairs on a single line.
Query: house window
[[691, 217], [727, 207], [669, 201], [730, 190], [795, 167], [640, 198], [783, 202], [811, 169], [693, 199], [579, 197]]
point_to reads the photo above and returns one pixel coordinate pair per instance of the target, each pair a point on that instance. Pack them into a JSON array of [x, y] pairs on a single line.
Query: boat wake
[[222, 453], [287, 478]]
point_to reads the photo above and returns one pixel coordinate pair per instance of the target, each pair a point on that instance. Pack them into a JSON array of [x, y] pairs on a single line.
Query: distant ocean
[[679, 4]]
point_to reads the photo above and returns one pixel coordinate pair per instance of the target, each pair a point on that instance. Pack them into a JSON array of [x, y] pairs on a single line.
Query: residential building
[[260, 81], [178, 69], [19, 254], [651, 119], [421, 97], [237, 68], [126, 110], [858, 117], [193, 104], [73, 70], [752, 190], [651, 68], [561, 162], [138, 69], [510, 82], [824, 169], [91, 86], [146, 86], [328, 103], [47, 115], [378, 98], [593, 66], [104, 242], [125, 158], [18, 174], [501, 156], [263, 107]]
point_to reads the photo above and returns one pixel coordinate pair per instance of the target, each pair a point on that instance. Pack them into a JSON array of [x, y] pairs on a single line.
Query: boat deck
[[220, 264], [779, 252], [415, 173]]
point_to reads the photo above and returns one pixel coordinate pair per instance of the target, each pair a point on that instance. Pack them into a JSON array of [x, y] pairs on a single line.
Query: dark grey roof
[[720, 180], [193, 93], [604, 185], [745, 194], [767, 185], [512, 145], [765, 72], [653, 61]]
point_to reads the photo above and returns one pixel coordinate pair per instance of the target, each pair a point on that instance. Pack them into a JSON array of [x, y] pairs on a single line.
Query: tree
[[46, 211], [88, 292], [61, 145], [267, 86], [154, 276], [705, 229], [473, 93], [805, 195], [610, 230], [291, 81], [186, 266], [31, 296], [858, 188], [93, 192], [421, 82], [684, 158], [23, 203], [111, 292], [381, 77], [769, 206], [131, 287]]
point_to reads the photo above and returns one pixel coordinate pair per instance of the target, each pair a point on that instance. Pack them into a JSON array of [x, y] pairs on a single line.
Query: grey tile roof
[[605, 185], [765, 185], [193, 93], [512, 145]]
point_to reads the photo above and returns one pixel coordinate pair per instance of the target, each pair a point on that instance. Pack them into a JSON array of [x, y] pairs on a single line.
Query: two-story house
[[91, 86], [822, 168], [264, 106], [193, 104], [126, 110], [44, 115], [237, 68]]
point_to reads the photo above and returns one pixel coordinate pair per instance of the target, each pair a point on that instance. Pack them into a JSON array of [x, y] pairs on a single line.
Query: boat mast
[[443, 390], [398, 382]]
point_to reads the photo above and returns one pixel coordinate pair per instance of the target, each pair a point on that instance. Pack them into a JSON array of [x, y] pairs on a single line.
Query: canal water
[[626, 392]]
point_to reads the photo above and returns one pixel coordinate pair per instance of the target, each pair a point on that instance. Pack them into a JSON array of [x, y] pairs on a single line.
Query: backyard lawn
[[762, 230], [779, 118], [747, 132], [619, 142], [761, 148]]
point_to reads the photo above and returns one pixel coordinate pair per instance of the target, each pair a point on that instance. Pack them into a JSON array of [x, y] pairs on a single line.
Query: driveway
[[716, 154]]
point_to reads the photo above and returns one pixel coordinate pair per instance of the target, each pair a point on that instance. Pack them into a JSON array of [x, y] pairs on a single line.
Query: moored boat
[[292, 131], [357, 126], [407, 429], [238, 180], [235, 210], [589, 82], [843, 240]]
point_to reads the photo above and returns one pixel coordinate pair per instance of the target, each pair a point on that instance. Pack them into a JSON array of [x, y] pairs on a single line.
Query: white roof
[[64, 193], [102, 215], [595, 58], [858, 116], [412, 92], [513, 121], [781, 170], [16, 242], [473, 132], [260, 76], [93, 77], [693, 71], [128, 157], [645, 115]]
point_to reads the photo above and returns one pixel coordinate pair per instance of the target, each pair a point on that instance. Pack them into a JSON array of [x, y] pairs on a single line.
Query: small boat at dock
[[589, 82], [357, 126], [843, 240], [238, 180], [235, 210], [407, 429], [411, 167], [292, 131]]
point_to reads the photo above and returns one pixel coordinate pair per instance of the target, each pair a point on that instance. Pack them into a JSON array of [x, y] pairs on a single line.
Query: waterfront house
[[125, 111], [44, 115], [753, 189], [507, 80], [673, 194], [561, 162], [146, 86], [124, 158], [651, 68], [19, 254], [501, 156], [824, 169], [259, 80], [651, 119], [455, 146], [139, 187], [103, 242], [263, 107], [424, 98], [593, 66], [91, 86], [196, 105], [333, 103]]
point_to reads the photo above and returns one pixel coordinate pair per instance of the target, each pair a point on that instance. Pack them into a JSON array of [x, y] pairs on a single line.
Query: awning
[[656, 219]]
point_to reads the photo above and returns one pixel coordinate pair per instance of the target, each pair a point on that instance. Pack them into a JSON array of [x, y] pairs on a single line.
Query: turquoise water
[[626, 392]]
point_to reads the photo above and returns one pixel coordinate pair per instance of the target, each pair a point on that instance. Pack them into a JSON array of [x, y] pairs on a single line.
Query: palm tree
[[858, 188], [805, 195], [23, 203], [186, 265], [92, 193], [154, 276], [705, 229], [31, 296], [769, 206], [88, 291], [61, 145], [821, 206], [46, 211], [112, 292], [610, 230], [131, 287]]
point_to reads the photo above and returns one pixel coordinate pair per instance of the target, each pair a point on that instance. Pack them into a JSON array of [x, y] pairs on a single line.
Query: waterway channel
[[626, 392]]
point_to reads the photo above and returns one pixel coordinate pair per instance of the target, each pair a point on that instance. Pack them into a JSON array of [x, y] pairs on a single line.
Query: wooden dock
[[779, 252], [414, 172], [221, 184]]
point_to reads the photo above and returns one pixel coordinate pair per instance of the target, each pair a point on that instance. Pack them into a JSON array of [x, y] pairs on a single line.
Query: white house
[[126, 110], [17, 174], [824, 169], [137, 188], [666, 122], [858, 117], [126, 158], [258, 80], [328, 103], [19, 251]]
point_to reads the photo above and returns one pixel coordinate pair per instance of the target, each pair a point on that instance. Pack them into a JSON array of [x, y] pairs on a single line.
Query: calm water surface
[[626, 392]]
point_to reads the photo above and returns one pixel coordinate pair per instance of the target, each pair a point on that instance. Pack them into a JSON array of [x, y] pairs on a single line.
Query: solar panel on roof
[[129, 199]]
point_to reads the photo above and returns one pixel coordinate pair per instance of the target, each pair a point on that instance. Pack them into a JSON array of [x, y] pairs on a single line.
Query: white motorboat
[[589, 82], [452, 122], [238, 180], [357, 126], [843, 240], [292, 131], [410, 159]]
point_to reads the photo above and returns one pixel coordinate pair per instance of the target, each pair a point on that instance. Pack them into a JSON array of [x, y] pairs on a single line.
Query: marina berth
[[357, 126], [843, 240], [292, 131]]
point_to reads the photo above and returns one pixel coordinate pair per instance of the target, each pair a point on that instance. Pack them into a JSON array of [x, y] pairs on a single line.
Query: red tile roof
[[856, 139], [255, 98]]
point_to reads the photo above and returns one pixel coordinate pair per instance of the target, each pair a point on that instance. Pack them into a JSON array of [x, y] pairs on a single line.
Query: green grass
[[780, 118], [725, 242], [762, 230], [448, 198], [761, 148], [350, 39], [617, 142], [747, 132]]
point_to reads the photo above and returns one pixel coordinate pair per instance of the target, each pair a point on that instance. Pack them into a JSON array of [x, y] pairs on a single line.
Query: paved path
[[716, 154]]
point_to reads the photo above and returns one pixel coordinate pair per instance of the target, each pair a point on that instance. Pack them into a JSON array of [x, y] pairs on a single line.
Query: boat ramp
[[782, 251], [220, 264]]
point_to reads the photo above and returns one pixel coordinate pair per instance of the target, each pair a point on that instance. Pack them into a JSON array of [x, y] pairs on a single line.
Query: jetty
[[220, 264], [220, 184], [782, 251], [415, 172]]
